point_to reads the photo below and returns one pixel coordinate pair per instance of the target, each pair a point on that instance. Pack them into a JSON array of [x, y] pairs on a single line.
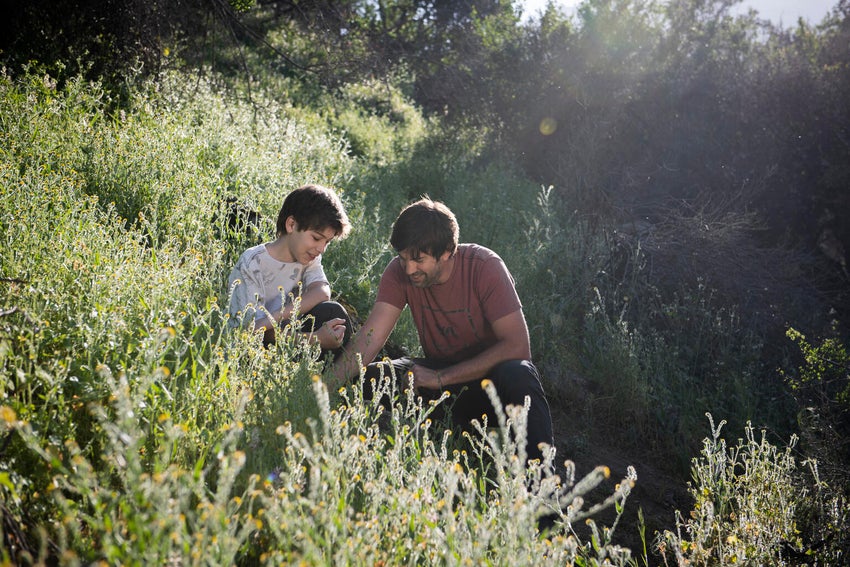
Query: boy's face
[[307, 245], [424, 270]]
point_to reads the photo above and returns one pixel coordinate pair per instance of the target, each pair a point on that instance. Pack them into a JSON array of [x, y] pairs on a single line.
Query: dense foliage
[[665, 180]]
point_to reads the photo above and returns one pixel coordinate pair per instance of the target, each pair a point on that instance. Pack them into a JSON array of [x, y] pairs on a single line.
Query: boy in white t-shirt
[[268, 278]]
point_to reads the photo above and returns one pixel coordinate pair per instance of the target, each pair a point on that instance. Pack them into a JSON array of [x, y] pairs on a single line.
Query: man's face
[[424, 270]]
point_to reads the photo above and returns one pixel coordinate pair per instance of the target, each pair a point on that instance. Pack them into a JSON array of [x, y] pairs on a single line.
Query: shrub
[[744, 505], [822, 382], [821, 385], [138, 429], [754, 506]]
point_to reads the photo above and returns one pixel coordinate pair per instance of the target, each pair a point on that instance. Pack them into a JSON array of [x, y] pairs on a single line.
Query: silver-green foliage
[[353, 490], [745, 501], [139, 430]]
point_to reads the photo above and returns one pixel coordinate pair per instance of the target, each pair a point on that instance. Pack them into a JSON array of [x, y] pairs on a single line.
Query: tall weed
[[745, 501], [140, 429]]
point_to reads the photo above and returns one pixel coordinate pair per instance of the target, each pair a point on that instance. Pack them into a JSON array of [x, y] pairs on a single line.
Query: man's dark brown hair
[[425, 226]]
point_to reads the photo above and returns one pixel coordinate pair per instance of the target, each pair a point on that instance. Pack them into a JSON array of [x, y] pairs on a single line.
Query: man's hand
[[426, 378], [330, 334]]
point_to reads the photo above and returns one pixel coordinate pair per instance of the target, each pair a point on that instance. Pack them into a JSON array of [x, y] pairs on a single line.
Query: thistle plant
[[744, 505], [370, 485]]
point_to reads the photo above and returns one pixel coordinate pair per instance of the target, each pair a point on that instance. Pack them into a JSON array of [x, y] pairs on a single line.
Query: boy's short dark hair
[[425, 226], [314, 207]]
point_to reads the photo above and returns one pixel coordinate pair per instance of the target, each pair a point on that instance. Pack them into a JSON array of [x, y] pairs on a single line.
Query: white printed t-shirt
[[260, 280]]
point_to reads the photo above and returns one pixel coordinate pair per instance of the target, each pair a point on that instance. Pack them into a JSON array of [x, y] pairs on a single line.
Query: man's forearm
[[367, 342], [360, 351], [478, 366]]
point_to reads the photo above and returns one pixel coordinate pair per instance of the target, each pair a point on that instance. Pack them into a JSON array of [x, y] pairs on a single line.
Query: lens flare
[[548, 126]]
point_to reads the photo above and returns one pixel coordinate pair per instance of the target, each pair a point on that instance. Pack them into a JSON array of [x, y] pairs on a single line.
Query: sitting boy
[[268, 277]]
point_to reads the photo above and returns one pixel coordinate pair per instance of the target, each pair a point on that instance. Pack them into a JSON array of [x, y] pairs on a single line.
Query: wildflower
[[8, 416]]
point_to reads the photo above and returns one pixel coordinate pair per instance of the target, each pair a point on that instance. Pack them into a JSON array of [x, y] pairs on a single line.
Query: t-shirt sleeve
[[392, 287], [314, 272], [498, 296], [247, 292]]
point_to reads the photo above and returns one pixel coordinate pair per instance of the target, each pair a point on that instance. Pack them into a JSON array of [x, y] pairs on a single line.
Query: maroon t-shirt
[[454, 318]]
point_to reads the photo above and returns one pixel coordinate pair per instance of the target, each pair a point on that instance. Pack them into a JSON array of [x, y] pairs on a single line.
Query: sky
[[785, 12]]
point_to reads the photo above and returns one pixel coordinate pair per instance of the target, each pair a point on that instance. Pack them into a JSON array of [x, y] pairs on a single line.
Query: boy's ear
[[291, 224]]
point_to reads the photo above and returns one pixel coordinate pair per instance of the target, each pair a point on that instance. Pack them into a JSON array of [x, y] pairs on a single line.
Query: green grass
[[139, 429]]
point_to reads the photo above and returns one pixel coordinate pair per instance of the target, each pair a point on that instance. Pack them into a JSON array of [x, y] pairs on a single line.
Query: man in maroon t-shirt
[[468, 317]]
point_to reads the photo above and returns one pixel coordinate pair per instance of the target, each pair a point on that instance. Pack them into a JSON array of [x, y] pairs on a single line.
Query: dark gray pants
[[513, 379], [314, 319]]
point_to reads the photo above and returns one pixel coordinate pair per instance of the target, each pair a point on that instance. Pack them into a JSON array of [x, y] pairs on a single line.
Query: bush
[[138, 429], [745, 502], [754, 505]]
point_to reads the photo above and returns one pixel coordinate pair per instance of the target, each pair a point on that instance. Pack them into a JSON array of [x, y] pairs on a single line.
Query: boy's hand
[[330, 334]]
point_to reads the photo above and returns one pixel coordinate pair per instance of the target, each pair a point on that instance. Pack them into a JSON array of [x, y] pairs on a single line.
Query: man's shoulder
[[474, 251], [479, 257], [485, 265], [394, 273]]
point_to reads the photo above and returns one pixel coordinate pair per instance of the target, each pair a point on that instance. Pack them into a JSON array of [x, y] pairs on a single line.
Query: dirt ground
[[657, 492]]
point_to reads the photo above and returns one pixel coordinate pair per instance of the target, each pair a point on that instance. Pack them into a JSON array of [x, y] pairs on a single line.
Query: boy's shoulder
[[252, 254]]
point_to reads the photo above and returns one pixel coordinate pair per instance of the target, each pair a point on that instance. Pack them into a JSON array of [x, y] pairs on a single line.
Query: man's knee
[[516, 377], [388, 377]]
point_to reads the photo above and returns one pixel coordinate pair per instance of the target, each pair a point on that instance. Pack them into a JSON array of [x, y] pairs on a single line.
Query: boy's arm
[[316, 293], [367, 342]]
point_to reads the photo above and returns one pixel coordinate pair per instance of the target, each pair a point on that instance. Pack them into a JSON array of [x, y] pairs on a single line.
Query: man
[[268, 277], [468, 317]]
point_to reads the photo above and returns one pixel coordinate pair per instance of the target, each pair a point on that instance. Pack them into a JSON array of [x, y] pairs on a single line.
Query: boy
[[269, 276]]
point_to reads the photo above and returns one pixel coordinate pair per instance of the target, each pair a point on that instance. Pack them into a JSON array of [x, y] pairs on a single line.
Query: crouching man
[[469, 319]]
